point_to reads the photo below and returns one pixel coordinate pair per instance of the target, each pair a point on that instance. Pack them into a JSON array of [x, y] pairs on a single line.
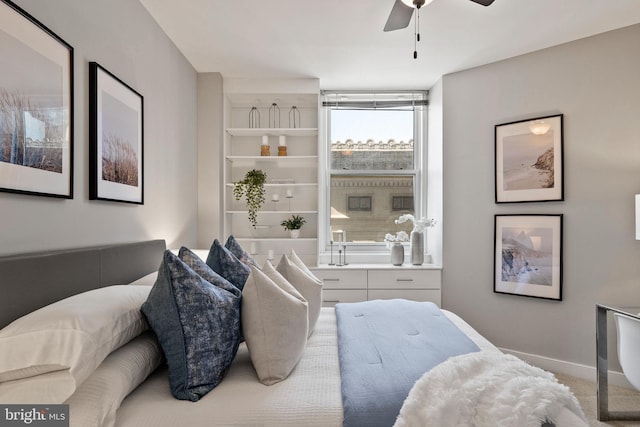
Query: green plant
[[252, 188], [293, 223]]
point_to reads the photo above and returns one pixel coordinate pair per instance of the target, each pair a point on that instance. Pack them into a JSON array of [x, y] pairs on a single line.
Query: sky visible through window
[[379, 125]]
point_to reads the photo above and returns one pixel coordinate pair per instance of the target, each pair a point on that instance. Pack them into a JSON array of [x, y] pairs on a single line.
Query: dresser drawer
[[342, 279], [331, 297], [432, 295], [404, 279]]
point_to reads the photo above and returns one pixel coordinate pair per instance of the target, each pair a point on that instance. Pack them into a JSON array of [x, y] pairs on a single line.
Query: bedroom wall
[[595, 83], [122, 37], [210, 113]]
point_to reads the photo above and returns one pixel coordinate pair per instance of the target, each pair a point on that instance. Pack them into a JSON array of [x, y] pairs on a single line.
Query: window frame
[[419, 173]]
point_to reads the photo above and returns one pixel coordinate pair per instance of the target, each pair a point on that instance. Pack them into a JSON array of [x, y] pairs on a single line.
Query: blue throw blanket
[[385, 346]]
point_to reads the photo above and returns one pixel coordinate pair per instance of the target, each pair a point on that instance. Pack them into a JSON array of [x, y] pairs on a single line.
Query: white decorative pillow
[[148, 280], [47, 388], [274, 323], [309, 286], [98, 398], [71, 337], [294, 258]]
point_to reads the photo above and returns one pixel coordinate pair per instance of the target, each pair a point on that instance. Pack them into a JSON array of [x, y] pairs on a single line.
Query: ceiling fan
[[402, 12]]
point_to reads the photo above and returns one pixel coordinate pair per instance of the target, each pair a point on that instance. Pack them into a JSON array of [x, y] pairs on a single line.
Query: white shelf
[[296, 173], [284, 211], [277, 239], [280, 185], [272, 131], [271, 158]]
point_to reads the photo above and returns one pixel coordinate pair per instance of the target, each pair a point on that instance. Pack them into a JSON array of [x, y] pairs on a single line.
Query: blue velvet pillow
[[226, 264], [197, 325], [235, 248], [199, 266]]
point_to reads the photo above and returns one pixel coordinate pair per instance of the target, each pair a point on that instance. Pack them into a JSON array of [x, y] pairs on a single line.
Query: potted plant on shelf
[[293, 224], [252, 188]]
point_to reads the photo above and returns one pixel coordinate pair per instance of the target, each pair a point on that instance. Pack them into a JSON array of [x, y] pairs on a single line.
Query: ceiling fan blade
[[399, 17], [483, 2]]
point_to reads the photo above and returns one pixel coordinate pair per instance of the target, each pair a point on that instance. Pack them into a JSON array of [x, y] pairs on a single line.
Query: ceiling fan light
[[539, 127], [414, 3]]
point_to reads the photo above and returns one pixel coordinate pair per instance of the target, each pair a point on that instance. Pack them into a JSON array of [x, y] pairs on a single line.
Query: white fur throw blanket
[[485, 388]]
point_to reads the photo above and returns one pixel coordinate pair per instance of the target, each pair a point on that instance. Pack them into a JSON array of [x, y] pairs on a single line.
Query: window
[[402, 203], [374, 145]]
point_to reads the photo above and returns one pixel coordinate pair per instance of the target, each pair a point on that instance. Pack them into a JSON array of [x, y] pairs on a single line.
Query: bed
[[311, 394]]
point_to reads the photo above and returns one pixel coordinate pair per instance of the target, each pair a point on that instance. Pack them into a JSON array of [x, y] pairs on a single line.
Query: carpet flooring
[[620, 399]]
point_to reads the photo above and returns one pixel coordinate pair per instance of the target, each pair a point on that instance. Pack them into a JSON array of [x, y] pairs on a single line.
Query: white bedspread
[[309, 397]]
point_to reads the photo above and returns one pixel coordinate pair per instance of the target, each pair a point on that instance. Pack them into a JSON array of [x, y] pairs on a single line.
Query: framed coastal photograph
[[115, 138], [529, 160], [528, 255], [36, 107]]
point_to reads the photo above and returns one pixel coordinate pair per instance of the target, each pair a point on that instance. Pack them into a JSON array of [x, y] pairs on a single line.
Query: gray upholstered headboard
[[31, 281]]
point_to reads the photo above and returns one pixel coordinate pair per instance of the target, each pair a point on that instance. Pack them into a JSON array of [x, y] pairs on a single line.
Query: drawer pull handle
[[331, 280], [332, 301], [404, 280]]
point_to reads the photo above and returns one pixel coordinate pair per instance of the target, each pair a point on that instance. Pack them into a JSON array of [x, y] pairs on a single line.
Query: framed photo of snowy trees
[[528, 255], [529, 160], [36, 107], [116, 138]]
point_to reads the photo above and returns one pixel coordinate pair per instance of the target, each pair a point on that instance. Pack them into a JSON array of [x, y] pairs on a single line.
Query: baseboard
[[569, 368]]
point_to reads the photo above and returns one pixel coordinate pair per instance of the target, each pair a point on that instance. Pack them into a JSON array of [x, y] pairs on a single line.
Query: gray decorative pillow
[[309, 286], [197, 325], [226, 264], [274, 322], [199, 266], [235, 248]]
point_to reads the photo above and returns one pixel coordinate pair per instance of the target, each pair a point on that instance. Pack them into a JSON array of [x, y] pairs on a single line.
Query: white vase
[[295, 233], [417, 247], [397, 254]]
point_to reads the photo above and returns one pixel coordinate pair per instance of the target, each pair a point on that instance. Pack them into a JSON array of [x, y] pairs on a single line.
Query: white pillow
[[72, 336], [309, 286], [294, 258], [46, 388], [148, 280], [97, 399], [274, 323]]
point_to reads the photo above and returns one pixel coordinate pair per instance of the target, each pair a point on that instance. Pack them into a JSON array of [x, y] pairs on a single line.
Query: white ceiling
[[341, 42]]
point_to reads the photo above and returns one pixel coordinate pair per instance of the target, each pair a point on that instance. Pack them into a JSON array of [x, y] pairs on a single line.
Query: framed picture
[[528, 255], [36, 107], [115, 139], [528, 160]]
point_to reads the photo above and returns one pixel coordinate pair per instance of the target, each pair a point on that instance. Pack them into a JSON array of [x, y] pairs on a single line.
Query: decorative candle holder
[[254, 117], [289, 196], [274, 116], [294, 117], [264, 148]]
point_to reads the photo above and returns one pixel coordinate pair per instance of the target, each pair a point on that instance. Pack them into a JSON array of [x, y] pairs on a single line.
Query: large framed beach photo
[[115, 139], [528, 255], [528, 160], [36, 107]]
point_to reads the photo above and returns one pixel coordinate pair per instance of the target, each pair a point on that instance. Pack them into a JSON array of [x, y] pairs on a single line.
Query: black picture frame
[[529, 160], [116, 138], [528, 255], [36, 107]]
